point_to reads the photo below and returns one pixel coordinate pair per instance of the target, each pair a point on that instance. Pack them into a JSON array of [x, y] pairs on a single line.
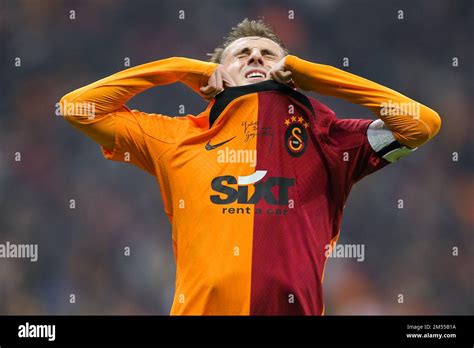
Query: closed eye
[[270, 56], [246, 51], [243, 52]]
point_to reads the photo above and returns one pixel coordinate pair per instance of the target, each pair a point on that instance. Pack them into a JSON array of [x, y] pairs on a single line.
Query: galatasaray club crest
[[296, 137]]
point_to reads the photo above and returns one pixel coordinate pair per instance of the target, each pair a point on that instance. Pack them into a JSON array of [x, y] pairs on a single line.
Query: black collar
[[231, 93]]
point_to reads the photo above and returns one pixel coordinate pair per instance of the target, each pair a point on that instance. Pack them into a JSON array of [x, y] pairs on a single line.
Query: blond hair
[[246, 28]]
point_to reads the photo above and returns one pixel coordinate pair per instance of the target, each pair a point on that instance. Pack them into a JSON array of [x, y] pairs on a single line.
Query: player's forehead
[[252, 42]]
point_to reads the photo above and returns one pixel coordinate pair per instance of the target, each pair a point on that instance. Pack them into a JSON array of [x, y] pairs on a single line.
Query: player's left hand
[[280, 74]]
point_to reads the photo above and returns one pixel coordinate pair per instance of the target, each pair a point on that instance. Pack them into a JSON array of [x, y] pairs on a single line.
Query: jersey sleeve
[[365, 147], [89, 108], [357, 156], [412, 123], [141, 138]]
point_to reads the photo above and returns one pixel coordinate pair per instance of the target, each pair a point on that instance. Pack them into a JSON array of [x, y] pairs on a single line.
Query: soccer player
[[255, 185]]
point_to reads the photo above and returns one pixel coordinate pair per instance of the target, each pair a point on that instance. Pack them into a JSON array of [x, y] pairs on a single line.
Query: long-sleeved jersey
[[255, 185]]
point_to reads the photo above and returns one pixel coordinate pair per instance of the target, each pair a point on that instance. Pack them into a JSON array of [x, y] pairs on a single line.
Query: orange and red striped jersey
[[254, 188]]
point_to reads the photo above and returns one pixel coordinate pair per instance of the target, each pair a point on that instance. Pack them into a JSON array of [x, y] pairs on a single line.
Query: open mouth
[[255, 74]]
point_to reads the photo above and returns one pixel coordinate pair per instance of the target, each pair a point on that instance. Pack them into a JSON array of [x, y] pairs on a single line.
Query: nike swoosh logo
[[212, 147]]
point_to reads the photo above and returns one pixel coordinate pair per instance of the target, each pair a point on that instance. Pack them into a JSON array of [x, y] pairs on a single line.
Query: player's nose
[[255, 57]]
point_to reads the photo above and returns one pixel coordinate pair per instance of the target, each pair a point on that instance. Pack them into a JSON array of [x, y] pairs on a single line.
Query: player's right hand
[[219, 79]]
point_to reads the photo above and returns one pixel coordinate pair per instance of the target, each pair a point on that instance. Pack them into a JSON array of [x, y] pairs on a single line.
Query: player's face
[[249, 59]]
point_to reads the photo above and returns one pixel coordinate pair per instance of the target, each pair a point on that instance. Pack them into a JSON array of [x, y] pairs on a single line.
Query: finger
[[275, 76], [219, 84], [212, 79], [284, 75], [210, 92], [207, 90], [228, 80], [285, 78]]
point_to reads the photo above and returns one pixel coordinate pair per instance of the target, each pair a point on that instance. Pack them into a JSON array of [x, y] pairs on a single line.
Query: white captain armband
[[384, 143]]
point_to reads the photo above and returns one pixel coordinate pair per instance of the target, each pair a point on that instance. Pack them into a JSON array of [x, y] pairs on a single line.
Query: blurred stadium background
[[81, 251]]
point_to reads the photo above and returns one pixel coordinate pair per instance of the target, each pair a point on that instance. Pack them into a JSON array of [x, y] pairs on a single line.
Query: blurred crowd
[[83, 251]]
